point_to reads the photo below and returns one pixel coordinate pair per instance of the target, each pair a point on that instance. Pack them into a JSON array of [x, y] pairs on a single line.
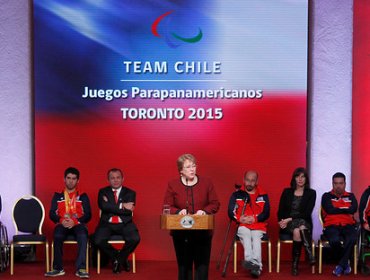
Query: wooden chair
[[116, 239], [323, 242], [264, 240], [70, 239], [287, 238], [364, 251], [28, 217]]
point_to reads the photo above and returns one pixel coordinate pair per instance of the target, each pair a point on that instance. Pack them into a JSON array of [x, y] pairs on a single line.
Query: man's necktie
[[115, 219]]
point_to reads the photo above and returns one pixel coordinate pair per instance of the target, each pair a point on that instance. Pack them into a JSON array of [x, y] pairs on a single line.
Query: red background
[[267, 135], [361, 98]]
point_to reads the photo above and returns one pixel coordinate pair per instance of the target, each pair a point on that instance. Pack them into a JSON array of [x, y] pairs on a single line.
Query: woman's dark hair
[[298, 171]]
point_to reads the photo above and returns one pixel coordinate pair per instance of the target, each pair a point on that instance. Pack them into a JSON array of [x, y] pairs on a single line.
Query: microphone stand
[[237, 188]]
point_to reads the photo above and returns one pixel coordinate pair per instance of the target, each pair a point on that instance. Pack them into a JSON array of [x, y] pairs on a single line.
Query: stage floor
[[166, 270]]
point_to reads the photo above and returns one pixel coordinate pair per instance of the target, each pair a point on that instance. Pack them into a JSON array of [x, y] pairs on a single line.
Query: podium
[[187, 222]]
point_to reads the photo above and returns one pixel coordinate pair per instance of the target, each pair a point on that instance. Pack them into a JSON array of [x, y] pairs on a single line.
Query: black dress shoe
[[126, 266], [116, 267]]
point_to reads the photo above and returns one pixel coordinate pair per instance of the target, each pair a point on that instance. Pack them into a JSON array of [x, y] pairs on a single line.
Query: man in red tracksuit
[[338, 208], [251, 209], [364, 214], [364, 210]]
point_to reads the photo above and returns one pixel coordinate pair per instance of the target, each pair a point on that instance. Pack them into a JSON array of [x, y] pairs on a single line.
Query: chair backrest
[[321, 218], [28, 215]]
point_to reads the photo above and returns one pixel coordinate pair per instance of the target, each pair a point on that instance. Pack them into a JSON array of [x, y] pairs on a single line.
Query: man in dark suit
[[117, 204]]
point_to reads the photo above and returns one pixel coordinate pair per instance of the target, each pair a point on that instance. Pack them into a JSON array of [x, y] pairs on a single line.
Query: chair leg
[[133, 262], [269, 255], [98, 262], [47, 256], [320, 257], [278, 256], [235, 256], [313, 254], [11, 258], [52, 256]]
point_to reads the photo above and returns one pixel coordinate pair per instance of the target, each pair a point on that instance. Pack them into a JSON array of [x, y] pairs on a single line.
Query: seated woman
[[294, 215]]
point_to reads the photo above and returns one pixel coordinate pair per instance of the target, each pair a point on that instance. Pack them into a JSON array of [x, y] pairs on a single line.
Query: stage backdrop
[[361, 98], [135, 84]]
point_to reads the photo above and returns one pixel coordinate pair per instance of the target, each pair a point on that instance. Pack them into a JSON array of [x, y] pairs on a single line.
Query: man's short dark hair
[[72, 170], [339, 175], [114, 170]]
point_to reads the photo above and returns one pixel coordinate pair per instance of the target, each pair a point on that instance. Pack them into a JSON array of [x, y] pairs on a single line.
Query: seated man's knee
[[352, 239], [59, 234], [334, 240], [58, 237], [135, 239], [82, 236]]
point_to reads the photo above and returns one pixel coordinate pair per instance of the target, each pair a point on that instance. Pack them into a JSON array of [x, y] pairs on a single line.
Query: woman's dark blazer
[[307, 204]]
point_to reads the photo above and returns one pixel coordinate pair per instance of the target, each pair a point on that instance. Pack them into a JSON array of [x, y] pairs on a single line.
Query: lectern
[[187, 222]]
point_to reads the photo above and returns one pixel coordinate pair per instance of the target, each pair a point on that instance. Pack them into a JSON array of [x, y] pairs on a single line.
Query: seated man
[[364, 209], [70, 211], [250, 208], [338, 208], [364, 214], [117, 204]]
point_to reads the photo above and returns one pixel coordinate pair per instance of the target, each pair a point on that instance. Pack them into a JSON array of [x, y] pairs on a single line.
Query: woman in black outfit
[[294, 215]]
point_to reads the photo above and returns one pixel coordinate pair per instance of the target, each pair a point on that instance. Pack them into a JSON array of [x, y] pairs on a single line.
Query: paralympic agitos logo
[[173, 39]]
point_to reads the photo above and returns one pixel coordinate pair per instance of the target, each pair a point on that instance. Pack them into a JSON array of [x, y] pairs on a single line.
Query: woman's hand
[[284, 222], [200, 212]]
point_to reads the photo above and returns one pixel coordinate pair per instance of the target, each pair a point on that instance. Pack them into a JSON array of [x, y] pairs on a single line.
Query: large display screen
[[135, 84]]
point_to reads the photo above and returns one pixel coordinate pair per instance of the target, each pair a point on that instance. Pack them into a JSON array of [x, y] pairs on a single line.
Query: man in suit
[[117, 203]]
